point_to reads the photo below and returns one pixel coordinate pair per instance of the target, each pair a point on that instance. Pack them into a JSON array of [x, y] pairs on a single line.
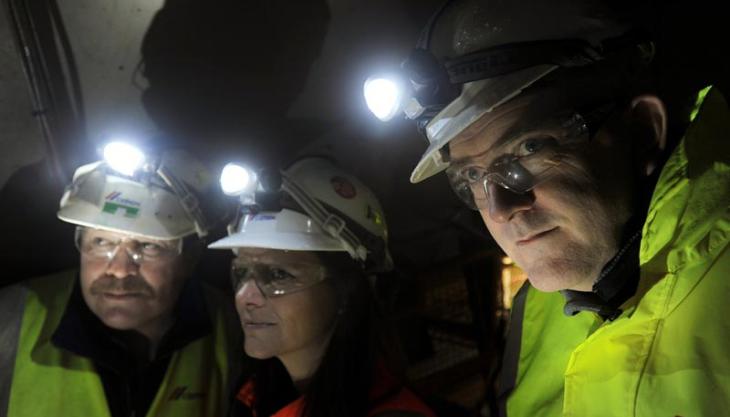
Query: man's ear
[[647, 121]]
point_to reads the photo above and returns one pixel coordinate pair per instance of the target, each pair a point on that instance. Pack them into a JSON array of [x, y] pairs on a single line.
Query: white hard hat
[[469, 36], [476, 99], [148, 205], [285, 229], [336, 212]]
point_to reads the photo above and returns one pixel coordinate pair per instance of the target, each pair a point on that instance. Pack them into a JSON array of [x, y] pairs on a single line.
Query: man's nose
[[504, 204], [122, 263]]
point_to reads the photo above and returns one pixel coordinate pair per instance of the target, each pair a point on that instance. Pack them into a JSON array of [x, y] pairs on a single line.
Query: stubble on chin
[[568, 267]]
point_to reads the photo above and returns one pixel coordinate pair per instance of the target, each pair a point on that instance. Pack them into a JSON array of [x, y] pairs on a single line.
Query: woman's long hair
[[360, 342]]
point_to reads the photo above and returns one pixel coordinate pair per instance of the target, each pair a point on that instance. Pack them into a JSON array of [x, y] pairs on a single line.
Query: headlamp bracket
[[333, 224], [436, 83]]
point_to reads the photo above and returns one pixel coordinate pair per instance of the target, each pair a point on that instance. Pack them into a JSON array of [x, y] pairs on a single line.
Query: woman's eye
[[238, 274], [240, 271], [279, 274]]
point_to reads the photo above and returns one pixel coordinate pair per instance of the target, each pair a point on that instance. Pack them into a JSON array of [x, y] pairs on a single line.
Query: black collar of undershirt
[[616, 284], [80, 331]]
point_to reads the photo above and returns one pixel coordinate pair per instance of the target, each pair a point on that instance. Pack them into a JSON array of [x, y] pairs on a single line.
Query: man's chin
[[547, 284], [120, 319], [551, 278], [562, 265]]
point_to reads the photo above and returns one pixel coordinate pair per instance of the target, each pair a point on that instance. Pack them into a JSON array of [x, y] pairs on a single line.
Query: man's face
[[126, 294], [564, 230]]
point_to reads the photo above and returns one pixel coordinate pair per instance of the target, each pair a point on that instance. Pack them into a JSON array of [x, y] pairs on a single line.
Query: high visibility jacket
[[668, 353], [45, 380]]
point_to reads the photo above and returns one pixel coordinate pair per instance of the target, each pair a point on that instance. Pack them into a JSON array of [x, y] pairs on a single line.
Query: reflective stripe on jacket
[[49, 381], [668, 353]]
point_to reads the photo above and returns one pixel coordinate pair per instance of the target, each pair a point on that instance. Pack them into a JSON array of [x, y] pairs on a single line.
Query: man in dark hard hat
[[613, 198]]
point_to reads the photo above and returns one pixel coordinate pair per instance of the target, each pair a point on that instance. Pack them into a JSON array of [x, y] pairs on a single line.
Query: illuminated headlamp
[[175, 171], [419, 89], [123, 157], [384, 96], [237, 179], [425, 85], [240, 181]]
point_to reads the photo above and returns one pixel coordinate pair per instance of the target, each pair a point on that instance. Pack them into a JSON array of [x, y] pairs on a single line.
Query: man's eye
[[464, 192], [472, 174], [100, 242], [152, 249], [534, 145]]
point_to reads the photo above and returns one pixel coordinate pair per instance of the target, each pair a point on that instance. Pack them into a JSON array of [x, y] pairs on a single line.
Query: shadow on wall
[[218, 72], [230, 69]]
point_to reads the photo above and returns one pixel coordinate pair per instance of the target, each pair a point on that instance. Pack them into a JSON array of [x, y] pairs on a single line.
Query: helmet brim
[[284, 230], [476, 99]]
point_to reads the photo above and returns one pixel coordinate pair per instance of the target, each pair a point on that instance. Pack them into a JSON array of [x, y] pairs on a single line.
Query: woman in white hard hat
[[306, 253]]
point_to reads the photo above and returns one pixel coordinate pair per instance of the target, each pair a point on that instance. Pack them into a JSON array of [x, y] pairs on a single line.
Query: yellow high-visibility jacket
[[668, 353], [41, 379]]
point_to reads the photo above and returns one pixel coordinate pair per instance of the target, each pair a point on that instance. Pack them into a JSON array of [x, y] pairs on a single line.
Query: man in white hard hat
[[612, 197], [131, 332]]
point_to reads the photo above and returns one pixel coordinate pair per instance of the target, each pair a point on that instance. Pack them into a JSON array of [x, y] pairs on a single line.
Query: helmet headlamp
[[124, 158]]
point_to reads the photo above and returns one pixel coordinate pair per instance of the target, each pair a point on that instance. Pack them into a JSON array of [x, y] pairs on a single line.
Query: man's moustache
[[130, 284]]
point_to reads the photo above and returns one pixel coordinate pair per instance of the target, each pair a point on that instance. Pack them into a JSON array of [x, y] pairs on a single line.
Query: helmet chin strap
[[331, 223]]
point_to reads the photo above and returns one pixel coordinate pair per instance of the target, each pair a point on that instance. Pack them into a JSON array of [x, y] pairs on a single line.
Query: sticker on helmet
[[115, 201], [374, 215], [343, 187]]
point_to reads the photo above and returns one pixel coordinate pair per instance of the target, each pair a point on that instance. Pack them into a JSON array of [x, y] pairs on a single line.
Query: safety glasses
[[276, 279], [104, 245], [524, 160]]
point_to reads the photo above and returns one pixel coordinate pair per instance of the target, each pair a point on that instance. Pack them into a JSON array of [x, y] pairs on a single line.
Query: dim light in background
[[512, 280]]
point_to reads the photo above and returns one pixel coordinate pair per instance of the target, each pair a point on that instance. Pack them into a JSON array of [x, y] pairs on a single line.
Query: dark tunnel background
[[255, 81]]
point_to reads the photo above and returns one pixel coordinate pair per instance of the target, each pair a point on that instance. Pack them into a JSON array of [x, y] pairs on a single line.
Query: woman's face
[[294, 323]]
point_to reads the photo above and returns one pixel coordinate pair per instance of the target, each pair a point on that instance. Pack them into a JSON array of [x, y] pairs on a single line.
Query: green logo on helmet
[[114, 202], [112, 208]]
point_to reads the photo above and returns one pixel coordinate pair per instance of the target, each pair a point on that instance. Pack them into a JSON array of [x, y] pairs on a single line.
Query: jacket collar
[[619, 279], [80, 331]]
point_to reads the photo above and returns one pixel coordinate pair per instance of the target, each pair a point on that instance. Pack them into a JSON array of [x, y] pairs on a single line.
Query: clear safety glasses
[[279, 279], [100, 244], [524, 160]]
